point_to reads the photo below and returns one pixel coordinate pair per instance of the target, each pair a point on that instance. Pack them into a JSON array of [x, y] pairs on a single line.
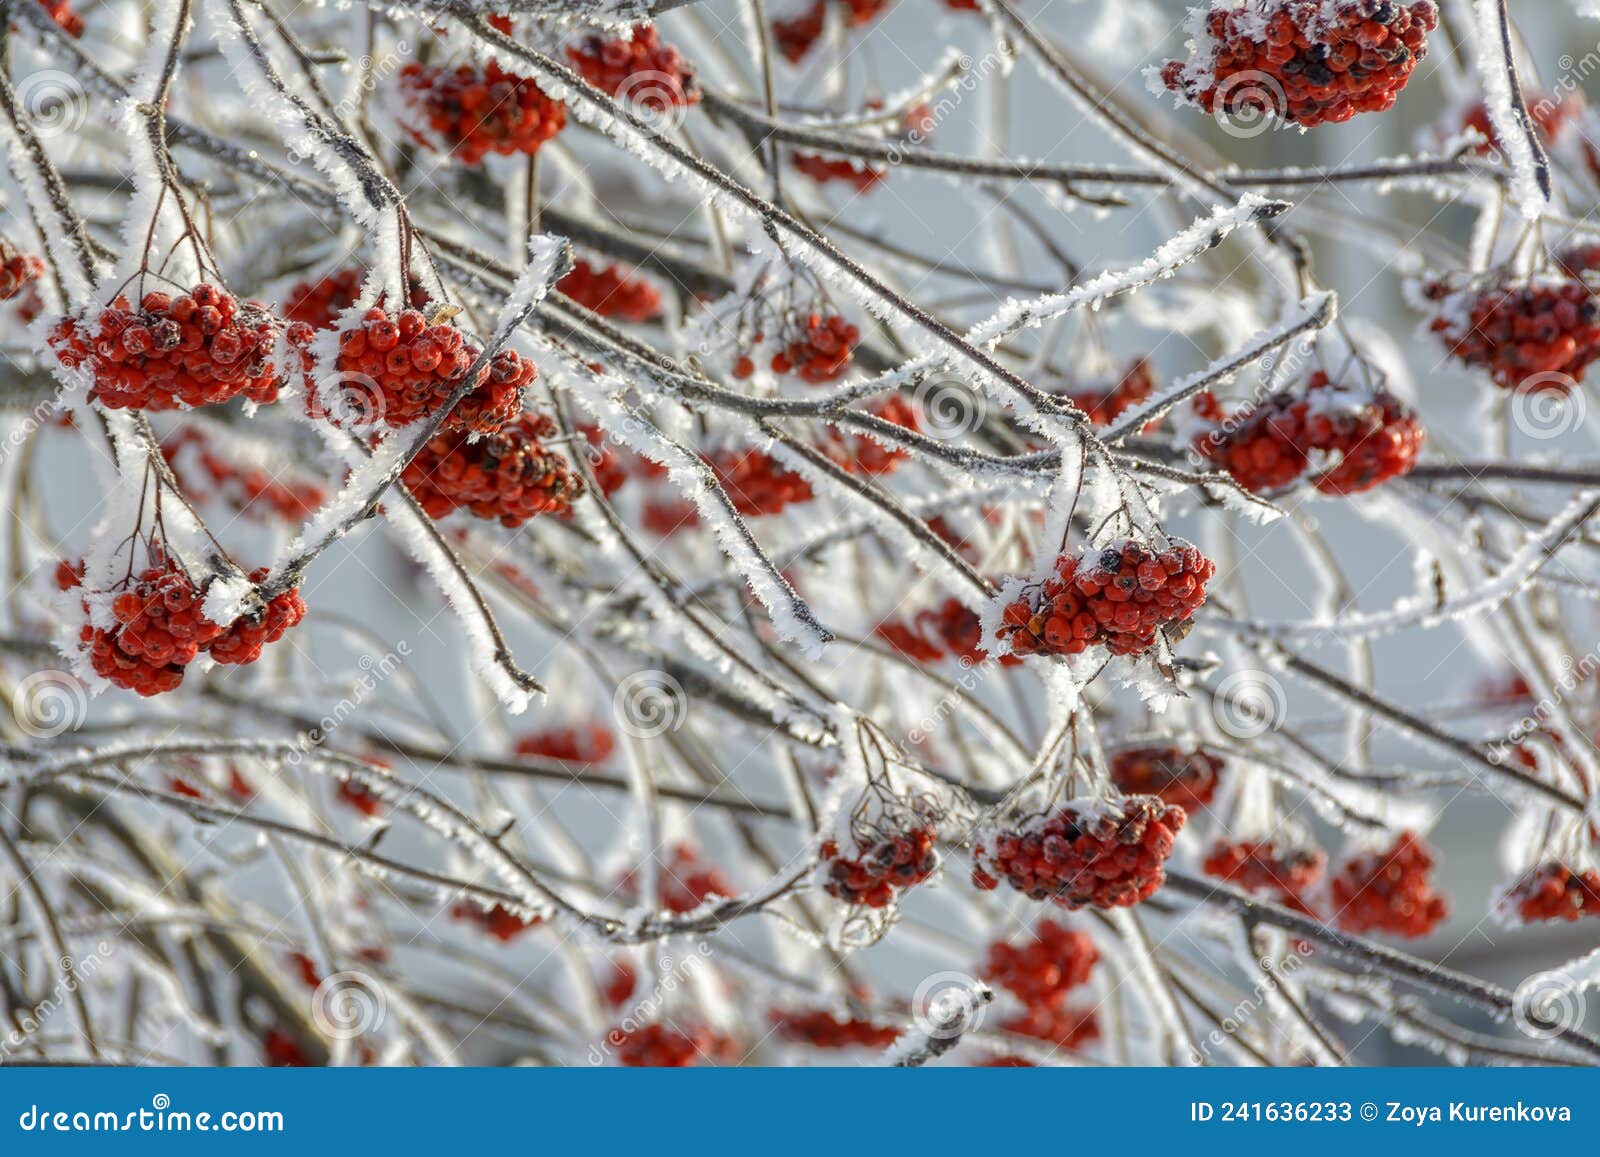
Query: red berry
[[472, 112], [1389, 891], [824, 1030], [1553, 891], [756, 483], [888, 866], [651, 74], [1533, 336], [1183, 778], [1285, 872], [1042, 970], [611, 292], [509, 476]]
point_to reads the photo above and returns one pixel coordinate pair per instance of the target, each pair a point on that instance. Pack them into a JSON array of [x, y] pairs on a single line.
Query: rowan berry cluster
[[65, 18], [863, 454], [192, 349], [497, 920], [1182, 777], [20, 274], [584, 743], [611, 291], [1286, 872], [656, 1046], [1067, 1028], [950, 630], [823, 1030], [860, 177], [160, 629], [471, 112], [641, 68], [1531, 335], [793, 36], [1041, 971], [1389, 891], [1106, 405], [242, 642], [1550, 117], [686, 881], [1355, 439], [1118, 597], [757, 483], [250, 490], [509, 476], [414, 367], [818, 350], [1554, 891], [888, 865], [319, 303], [1085, 854], [1307, 62]]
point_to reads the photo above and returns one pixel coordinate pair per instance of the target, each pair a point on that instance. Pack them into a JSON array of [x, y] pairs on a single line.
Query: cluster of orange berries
[[192, 349], [951, 629], [863, 454], [756, 482], [611, 291], [1105, 406], [686, 881], [1389, 891], [471, 112], [1099, 855], [1043, 970], [817, 350], [658, 1046], [250, 490], [823, 1030], [585, 743], [860, 177], [65, 18], [1554, 891], [319, 303], [1286, 872], [641, 68], [415, 366], [1182, 777], [1307, 62], [497, 920], [890, 864], [1536, 335], [1356, 438], [1117, 597], [20, 275], [509, 476], [161, 627]]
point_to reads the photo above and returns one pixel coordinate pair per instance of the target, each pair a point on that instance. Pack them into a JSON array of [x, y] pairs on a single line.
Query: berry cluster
[[686, 881], [757, 483], [656, 1046], [1182, 777], [818, 350], [1554, 891], [250, 490], [242, 642], [1355, 439], [642, 69], [586, 743], [65, 18], [894, 862], [820, 169], [611, 291], [1306, 62], [863, 454], [1530, 335], [1086, 854], [160, 629], [793, 37], [1262, 866], [823, 1030], [20, 274], [1067, 1028], [951, 629], [415, 367], [319, 303], [1042, 971], [510, 476], [1389, 891], [472, 112], [1550, 117], [193, 349], [1105, 406], [1116, 597], [497, 920]]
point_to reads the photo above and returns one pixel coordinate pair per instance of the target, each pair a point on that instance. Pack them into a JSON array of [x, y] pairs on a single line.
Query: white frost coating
[[1495, 77], [225, 598]]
